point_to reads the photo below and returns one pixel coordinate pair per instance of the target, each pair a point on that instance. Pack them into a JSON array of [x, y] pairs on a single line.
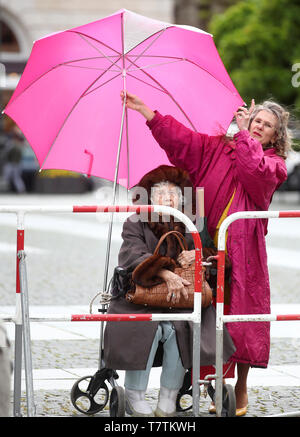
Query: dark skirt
[[127, 344]]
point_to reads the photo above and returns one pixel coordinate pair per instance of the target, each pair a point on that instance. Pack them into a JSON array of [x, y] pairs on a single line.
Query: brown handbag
[[157, 295]]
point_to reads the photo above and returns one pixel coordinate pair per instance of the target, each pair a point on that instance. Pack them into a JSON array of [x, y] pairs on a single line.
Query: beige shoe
[[212, 408], [241, 411]]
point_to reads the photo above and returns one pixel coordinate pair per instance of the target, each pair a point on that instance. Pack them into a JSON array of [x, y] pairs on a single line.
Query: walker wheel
[[229, 402], [117, 402], [184, 401], [86, 398]]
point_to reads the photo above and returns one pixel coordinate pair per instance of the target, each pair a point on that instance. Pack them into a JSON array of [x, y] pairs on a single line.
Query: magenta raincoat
[[222, 167]]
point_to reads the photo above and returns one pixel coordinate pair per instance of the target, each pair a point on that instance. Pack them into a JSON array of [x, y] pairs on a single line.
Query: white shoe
[[166, 406], [136, 404]]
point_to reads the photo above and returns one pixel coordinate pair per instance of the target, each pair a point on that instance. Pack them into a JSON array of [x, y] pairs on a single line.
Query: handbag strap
[[180, 238]]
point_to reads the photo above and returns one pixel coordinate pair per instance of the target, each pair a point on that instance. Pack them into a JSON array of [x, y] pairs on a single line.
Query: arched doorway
[[8, 39], [15, 47]]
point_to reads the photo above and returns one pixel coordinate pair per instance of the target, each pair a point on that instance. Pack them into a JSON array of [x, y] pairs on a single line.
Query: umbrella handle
[[91, 162]]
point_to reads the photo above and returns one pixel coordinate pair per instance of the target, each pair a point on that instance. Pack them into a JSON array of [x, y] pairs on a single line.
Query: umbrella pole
[[114, 200], [110, 229], [114, 193], [117, 165]]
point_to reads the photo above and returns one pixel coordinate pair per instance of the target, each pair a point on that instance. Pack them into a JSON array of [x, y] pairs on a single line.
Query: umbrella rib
[[157, 65], [91, 68], [95, 39], [189, 61], [171, 62], [96, 48], [68, 63], [69, 114], [89, 58], [146, 83], [169, 94], [178, 59], [104, 83], [155, 56], [218, 80], [34, 81], [128, 74], [159, 34], [53, 68]]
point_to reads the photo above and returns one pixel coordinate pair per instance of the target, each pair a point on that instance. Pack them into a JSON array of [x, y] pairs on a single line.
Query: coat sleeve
[[184, 147], [259, 173], [133, 249]]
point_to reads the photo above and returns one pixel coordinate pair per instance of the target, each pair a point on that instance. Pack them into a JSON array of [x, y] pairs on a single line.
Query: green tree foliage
[[259, 42]]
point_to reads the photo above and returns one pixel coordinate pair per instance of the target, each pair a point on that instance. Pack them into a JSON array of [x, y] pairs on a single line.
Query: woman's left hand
[[186, 258], [243, 115]]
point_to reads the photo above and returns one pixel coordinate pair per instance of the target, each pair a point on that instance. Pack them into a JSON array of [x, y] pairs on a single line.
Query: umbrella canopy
[[67, 102]]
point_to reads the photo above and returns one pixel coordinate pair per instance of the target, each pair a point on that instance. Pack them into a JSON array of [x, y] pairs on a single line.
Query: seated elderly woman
[[137, 346]]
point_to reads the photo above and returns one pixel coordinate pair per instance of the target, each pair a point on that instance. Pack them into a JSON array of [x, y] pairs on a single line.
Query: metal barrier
[[221, 318], [22, 317]]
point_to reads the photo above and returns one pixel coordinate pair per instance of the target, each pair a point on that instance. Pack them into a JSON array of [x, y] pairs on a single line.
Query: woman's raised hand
[[132, 101], [242, 116], [135, 103]]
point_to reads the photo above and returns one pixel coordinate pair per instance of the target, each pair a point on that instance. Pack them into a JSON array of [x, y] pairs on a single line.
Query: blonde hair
[[282, 142]]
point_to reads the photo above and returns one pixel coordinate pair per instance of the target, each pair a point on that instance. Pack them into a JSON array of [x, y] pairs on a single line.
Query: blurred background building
[[259, 43]]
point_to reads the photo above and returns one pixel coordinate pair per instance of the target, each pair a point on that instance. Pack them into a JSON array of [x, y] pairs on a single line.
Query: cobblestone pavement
[[65, 261]]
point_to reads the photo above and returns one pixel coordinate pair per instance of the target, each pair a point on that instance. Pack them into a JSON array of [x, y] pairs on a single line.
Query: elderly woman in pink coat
[[240, 174]]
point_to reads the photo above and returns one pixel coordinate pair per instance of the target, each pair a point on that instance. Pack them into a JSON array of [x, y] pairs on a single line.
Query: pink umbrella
[[67, 102]]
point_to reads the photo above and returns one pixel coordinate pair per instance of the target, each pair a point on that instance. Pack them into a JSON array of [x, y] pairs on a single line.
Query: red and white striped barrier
[[221, 267], [221, 318], [195, 316], [22, 319]]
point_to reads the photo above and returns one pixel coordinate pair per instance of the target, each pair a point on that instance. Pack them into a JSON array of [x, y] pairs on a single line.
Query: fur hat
[[168, 173]]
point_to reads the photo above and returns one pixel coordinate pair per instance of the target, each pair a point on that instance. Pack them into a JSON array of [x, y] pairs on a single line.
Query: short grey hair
[[282, 143]]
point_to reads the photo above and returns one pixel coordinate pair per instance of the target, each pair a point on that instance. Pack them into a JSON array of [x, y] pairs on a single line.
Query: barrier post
[[219, 331], [26, 335], [18, 321], [197, 322]]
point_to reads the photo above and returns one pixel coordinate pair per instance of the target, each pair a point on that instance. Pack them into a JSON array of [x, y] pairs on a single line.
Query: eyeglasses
[[165, 193]]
